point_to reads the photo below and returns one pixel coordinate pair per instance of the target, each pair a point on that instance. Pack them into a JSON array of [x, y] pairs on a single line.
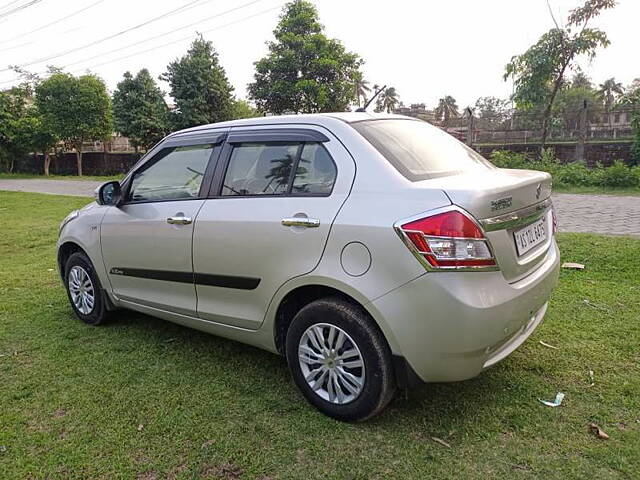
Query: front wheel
[[340, 360], [84, 289]]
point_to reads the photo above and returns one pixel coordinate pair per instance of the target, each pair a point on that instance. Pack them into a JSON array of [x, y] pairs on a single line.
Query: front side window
[[418, 150], [267, 169], [176, 174]]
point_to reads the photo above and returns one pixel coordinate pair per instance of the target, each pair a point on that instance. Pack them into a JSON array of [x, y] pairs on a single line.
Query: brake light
[[448, 240]]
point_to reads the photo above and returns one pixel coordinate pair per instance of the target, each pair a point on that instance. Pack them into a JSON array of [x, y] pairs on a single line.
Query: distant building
[[416, 110]]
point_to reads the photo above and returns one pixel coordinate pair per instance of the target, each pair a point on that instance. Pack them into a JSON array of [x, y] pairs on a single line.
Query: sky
[[425, 49]]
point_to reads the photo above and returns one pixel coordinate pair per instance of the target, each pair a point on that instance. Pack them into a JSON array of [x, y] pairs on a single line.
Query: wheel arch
[[65, 250], [289, 302]]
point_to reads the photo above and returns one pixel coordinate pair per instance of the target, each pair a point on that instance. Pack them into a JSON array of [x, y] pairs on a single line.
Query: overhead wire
[[114, 35], [51, 23]]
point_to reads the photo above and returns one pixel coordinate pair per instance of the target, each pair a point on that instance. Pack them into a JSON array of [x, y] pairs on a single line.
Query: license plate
[[531, 236]]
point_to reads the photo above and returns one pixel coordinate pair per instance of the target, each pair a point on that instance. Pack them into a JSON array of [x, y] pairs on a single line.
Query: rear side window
[[418, 150], [316, 172], [268, 169]]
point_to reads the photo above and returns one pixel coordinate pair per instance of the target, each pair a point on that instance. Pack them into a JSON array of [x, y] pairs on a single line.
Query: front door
[[278, 193], [146, 242]]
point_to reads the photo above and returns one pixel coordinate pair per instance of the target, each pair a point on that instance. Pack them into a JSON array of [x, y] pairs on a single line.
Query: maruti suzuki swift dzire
[[374, 252]]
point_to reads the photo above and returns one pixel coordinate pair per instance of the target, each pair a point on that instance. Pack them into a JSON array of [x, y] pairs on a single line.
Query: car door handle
[[301, 222], [179, 220]]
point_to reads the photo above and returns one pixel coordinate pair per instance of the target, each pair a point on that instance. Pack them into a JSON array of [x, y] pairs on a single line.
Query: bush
[[507, 159], [619, 175], [572, 174]]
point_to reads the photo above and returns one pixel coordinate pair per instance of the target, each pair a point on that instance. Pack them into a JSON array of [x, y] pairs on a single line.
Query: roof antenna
[[364, 109]]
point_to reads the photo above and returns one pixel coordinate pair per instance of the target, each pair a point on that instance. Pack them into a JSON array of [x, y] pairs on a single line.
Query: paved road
[[78, 188], [606, 214]]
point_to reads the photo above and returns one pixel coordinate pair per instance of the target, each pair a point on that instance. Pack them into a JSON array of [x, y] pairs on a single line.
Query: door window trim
[[276, 136]]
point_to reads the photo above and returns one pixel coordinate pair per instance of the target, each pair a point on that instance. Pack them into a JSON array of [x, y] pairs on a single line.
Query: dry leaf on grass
[[441, 442], [598, 432], [573, 266], [140, 427], [548, 346]]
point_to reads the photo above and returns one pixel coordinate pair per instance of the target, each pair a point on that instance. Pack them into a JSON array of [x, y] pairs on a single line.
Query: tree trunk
[[47, 162], [79, 159], [547, 111]]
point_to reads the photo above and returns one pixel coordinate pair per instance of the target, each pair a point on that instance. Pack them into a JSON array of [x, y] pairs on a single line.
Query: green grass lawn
[[98, 178], [146, 399]]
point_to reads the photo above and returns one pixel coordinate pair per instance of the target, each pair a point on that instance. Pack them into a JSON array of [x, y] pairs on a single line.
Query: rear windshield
[[418, 150]]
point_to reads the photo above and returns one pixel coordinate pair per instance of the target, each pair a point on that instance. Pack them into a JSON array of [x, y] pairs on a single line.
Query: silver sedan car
[[374, 252]]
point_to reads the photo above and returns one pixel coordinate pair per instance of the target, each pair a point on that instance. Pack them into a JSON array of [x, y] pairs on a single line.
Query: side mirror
[[109, 193]]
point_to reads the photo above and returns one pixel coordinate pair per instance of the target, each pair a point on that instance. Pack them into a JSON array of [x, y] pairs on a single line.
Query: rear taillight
[[450, 240]]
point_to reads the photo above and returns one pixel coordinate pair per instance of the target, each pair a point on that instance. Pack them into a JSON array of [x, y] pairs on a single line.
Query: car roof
[[324, 119]]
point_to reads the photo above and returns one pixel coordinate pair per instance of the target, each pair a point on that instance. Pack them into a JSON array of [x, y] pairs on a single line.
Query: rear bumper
[[451, 326]]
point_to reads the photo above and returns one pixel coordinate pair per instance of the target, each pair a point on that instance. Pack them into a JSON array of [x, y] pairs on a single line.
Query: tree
[[199, 86], [14, 105], [494, 110], [35, 136], [304, 70], [581, 80], [389, 99], [447, 108], [539, 72], [242, 109], [76, 109], [608, 92], [140, 111], [631, 98], [361, 87]]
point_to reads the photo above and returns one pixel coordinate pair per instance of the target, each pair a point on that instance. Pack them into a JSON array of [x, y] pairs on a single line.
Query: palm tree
[[607, 92], [446, 109], [390, 99], [361, 88]]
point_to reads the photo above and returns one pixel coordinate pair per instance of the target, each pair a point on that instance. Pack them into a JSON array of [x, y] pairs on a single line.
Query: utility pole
[[470, 126], [582, 134]]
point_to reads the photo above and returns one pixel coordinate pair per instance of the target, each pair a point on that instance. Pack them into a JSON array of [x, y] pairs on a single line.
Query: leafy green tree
[[580, 79], [389, 99], [447, 109], [569, 104], [631, 98], [304, 70], [199, 86], [538, 73], [362, 88], [76, 109], [609, 92], [494, 110], [14, 105], [139, 110], [242, 109], [35, 136]]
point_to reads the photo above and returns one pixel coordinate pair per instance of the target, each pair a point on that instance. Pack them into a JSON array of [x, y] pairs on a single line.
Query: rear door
[[272, 203], [146, 241]]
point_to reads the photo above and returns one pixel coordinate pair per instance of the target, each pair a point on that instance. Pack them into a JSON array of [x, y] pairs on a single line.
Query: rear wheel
[[84, 290], [340, 360]]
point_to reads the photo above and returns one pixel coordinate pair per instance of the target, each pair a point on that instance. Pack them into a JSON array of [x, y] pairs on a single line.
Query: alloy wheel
[[331, 363], [81, 290]]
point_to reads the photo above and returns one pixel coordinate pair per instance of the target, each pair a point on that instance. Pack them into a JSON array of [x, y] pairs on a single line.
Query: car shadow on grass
[[443, 406]]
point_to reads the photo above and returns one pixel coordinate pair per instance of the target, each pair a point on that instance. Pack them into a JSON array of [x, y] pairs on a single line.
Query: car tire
[[84, 290], [340, 360]]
